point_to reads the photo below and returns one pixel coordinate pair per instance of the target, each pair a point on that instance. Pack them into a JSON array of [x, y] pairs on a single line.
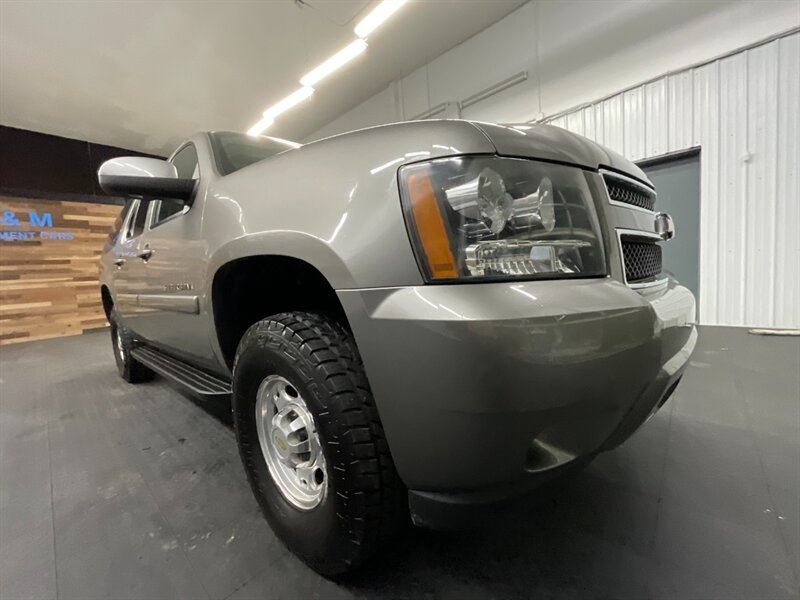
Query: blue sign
[[40, 224]]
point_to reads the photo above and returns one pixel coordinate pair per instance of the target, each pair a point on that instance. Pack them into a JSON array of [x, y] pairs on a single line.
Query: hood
[[548, 142]]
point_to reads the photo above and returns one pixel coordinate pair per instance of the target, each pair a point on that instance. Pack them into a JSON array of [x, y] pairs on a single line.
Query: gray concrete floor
[[109, 490]]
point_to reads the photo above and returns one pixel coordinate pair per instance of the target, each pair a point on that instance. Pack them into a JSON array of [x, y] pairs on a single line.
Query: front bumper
[[485, 390]]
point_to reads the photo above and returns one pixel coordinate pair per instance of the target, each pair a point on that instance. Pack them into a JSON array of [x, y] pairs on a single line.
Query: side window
[[165, 209], [126, 235], [136, 222], [187, 167], [185, 163], [116, 229]]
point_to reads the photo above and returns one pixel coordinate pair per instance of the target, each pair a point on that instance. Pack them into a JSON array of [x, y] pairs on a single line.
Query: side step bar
[[183, 373]]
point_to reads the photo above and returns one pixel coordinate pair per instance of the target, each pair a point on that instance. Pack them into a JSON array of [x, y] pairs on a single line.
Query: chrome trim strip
[[174, 303], [638, 233], [649, 284], [639, 184], [627, 178]]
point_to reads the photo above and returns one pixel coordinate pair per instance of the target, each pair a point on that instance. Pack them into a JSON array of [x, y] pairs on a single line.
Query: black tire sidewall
[[130, 369], [123, 364], [314, 534]]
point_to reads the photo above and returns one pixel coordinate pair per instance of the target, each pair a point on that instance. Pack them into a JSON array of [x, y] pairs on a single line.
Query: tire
[[122, 342], [363, 502]]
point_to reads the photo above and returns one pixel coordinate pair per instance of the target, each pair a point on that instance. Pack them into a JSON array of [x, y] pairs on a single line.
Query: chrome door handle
[[145, 254], [120, 262]]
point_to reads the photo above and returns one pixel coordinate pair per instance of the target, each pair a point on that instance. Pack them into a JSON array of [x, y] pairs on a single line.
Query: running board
[[183, 373]]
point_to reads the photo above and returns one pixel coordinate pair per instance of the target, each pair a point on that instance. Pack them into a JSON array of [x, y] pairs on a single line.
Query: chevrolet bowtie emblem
[[665, 227]]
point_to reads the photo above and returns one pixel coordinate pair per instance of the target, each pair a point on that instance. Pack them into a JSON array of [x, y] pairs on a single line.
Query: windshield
[[234, 151]]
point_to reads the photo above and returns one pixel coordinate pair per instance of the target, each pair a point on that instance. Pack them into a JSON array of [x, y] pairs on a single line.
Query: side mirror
[[143, 177]]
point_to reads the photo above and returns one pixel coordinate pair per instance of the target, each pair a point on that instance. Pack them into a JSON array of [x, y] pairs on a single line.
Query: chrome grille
[[629, 192], [642, 258]]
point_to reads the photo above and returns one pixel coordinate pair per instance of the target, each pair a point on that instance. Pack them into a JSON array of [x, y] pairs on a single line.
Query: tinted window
[[166, 208], [113, 235], [234, 151], [187, 167], [185, 163], [129, 226]]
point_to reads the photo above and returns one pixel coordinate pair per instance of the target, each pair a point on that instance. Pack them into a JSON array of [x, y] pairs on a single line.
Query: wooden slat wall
[[49, 287]]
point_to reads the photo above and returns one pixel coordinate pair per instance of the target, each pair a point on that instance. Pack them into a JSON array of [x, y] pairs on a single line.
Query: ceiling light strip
[[374, 19], [338, 60], [291, 100], [367, 25], [260, 126]]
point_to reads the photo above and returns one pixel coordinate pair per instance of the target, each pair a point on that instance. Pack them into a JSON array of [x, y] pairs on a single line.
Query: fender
[[293, 244]]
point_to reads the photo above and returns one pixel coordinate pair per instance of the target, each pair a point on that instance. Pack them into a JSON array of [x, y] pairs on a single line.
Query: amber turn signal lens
[[430, 226]]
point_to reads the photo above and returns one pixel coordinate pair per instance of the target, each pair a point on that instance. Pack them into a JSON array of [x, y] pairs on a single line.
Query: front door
[[173, 252]]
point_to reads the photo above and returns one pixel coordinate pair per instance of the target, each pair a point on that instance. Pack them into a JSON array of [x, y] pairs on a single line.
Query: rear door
[[127, 273], [116, 259]]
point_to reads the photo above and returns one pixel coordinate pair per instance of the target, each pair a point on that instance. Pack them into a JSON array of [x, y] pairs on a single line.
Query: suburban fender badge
[[179, 287]]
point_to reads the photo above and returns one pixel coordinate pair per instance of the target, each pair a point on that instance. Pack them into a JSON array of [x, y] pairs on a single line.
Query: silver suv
[[412, 320]]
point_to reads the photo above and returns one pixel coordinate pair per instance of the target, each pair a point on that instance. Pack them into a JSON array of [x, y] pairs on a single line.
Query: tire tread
[[374, 497]]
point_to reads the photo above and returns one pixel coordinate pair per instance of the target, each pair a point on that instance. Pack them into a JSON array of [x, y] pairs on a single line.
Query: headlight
[[488, 218]]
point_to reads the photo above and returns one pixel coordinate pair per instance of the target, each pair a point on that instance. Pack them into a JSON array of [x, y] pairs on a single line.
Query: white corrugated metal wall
[[742, 112]]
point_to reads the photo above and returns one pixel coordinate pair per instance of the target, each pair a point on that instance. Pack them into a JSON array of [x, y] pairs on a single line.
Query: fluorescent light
[[367, 25], [339, 59], [260, 126], [288, 102], [373, 20]]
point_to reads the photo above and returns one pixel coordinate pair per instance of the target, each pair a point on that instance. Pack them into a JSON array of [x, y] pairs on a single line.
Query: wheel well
[[108, 302], [249, 289]]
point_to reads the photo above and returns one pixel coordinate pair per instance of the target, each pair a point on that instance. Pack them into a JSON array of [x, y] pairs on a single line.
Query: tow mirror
[[144, 178]]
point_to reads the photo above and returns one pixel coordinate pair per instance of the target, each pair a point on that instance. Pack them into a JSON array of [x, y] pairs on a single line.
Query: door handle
[[145, 254], [120, 262]]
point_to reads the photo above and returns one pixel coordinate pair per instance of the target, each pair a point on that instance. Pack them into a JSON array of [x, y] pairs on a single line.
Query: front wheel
[[312, 442]]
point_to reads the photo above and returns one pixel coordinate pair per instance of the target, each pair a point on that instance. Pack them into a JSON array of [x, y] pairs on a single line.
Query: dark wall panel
[[40, 165], [48, 273]]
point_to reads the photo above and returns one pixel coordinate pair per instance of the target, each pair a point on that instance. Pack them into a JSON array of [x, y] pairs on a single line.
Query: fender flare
[[291, 244]]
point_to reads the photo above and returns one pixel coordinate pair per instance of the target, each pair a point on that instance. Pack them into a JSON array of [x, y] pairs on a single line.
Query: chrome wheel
[[290, 443]]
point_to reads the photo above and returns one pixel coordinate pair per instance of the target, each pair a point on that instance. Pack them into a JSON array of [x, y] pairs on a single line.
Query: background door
[[677, 182]]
